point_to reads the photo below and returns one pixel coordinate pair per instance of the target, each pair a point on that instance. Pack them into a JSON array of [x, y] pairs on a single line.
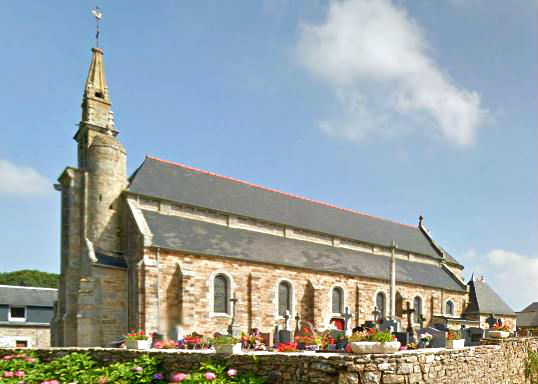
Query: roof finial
[[420, 218], [98, 15]]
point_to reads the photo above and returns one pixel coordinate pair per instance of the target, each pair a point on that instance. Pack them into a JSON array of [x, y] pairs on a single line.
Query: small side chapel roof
[[484, 300], [182, 184], [202, 238]]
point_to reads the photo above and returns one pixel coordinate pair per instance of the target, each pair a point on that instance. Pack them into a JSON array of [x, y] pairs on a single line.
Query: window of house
[[284, 298], [449, 307], [17, 314], [21, 343], [337, 300], [380, 303], [417, 305], [220, 293]]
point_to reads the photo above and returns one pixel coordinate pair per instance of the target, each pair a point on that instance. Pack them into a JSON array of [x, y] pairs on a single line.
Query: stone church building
[[170, 245]]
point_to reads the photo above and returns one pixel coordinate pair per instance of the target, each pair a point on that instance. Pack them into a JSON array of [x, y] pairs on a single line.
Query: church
[[174, 246]]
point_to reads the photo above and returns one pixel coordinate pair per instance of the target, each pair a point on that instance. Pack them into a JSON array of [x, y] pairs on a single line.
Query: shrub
[[532, 367]]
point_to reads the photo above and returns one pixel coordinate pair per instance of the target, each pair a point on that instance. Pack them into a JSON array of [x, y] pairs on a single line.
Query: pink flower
[[178, 377], [210, 376], [19, 373], [232, 372], [30, 360], [158, 345], [8, 357], [8, 374], [137, 369], [54, 382]]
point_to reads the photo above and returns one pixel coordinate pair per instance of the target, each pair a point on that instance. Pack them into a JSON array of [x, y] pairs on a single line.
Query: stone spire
[[96, 87], [97, 117]]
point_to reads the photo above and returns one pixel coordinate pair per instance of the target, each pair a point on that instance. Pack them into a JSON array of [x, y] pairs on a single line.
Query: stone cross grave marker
[[287, 320], [491, 320], [421, 320], [409, 311], [233, 329], [376, 313], [297, 324], [347, 317]]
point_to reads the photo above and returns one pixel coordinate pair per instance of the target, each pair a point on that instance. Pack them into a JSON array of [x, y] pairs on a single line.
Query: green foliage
[[229, 340], [532, 367], [78, 368], [222, 375], [30, 278], [372, 335]]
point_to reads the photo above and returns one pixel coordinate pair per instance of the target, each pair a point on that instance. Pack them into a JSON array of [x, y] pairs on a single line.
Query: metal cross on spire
[[98, 15]]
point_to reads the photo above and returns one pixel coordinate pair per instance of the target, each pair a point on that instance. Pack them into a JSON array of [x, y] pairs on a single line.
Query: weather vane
[[98, 15]]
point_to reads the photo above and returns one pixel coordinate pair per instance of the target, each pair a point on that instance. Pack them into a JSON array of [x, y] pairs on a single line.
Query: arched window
[[220, 292], [338, 300], [380, 304], [284, 298], [417, 305], [449, 308]]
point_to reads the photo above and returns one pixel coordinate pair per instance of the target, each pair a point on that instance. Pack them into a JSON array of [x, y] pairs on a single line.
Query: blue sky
[[391, 108]]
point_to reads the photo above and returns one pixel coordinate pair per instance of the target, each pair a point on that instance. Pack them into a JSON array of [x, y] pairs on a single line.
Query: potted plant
[[138, 340], [227, 344], [499, 331], [424, 340], [373, 341], [454, 340]]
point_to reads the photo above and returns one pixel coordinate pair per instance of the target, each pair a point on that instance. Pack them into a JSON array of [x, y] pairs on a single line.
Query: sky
[[393, 108]]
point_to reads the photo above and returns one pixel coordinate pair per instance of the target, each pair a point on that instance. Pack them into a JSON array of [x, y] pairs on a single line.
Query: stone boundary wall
[[498, 362]]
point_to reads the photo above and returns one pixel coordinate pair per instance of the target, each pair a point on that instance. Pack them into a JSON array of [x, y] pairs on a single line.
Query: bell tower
[[91, 308]]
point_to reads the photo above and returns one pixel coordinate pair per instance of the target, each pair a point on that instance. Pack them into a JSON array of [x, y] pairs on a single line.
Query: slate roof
[[179, 183], [484, 300], [528, 317], [27, 296], [197, 237]]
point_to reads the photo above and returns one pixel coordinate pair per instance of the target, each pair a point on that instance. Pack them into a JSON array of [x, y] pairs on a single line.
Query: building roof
[[27, 296], [484, 300], [529, 316], [202, 238], [531, 308], [179, 183]]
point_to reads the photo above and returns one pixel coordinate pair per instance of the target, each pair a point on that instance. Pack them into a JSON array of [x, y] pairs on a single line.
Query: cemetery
[[379, 351]]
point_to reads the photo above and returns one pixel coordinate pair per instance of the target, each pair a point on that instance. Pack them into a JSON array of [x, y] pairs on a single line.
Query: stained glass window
[[449, 307], [337, 300], [284, 298], [417, 304], [220, 294], [380, 303]]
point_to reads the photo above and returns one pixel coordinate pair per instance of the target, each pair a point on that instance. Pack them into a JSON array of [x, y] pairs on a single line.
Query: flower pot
[[138, 344], [228, 348], [498, 334], [455, 344], [364, 347]]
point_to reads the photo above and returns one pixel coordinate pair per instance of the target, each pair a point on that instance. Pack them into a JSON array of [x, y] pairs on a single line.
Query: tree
[[30, 278]]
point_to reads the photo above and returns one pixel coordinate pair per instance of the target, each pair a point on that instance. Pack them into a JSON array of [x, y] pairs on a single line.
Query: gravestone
[[491, 321], [297, 324], [347, 317], [394, 326], [267, 338], [441, 327], [278, 328], [421, 320], [178, 333], [473, 336], [285, 336], [402, 337], [409, 312], [376, 314], [287, 320], [438, 337], [234, 329]]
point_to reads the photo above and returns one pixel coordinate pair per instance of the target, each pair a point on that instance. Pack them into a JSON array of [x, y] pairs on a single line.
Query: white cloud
[[376, 59], [22, 181], [512, 275]]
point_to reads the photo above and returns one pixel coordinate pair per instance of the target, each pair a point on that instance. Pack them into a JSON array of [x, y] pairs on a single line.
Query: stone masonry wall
[[39, 337], [487, 364], [186, 294]]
